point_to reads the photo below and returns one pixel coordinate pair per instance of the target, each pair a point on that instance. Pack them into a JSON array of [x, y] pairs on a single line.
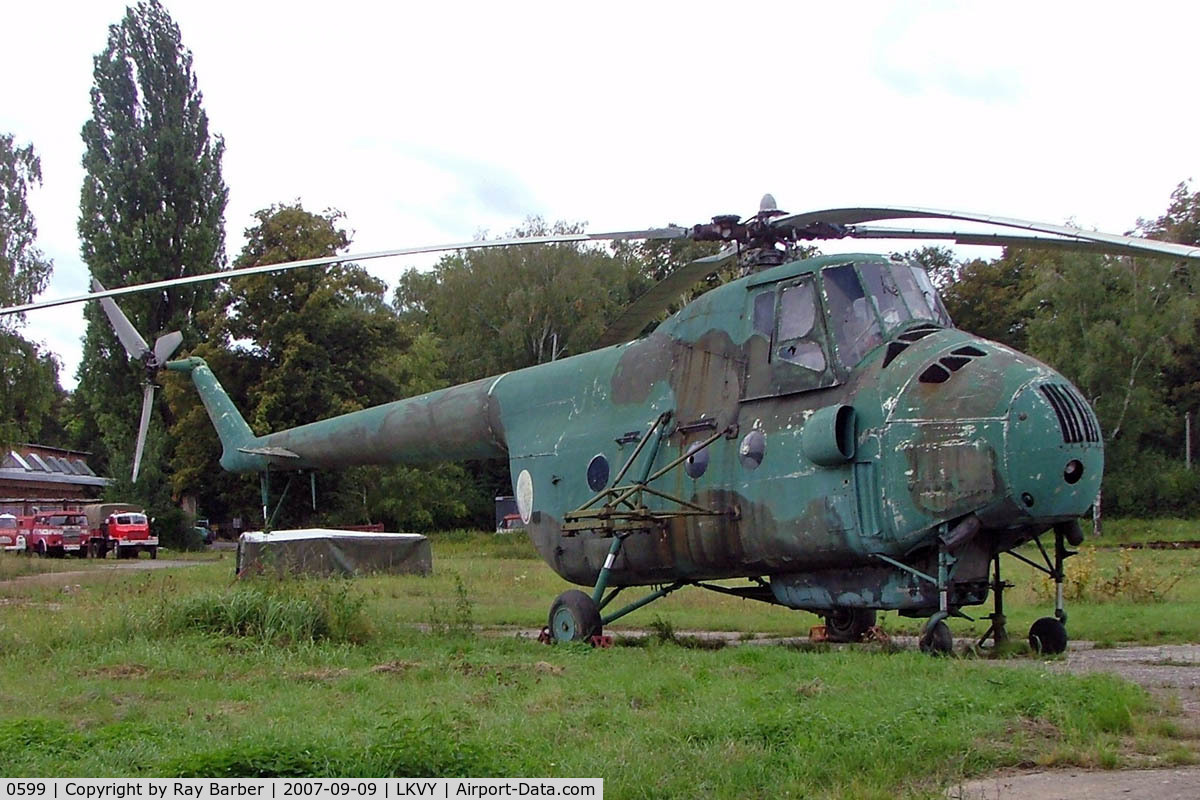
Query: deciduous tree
[[28, 376]]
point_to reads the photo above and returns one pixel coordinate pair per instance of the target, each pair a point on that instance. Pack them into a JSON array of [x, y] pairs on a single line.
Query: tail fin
[[232, 430]]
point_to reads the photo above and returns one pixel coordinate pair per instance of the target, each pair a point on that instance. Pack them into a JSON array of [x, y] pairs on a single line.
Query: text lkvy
[[297, 788]]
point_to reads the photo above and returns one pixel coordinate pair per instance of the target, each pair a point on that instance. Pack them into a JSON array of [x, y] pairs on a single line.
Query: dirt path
[[1165, 670], [69, 576]]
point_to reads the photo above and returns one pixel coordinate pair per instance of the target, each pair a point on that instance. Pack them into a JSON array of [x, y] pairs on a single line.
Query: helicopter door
[[787, 319]]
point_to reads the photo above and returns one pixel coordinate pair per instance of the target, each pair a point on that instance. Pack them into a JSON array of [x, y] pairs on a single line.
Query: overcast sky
[[430, 122]]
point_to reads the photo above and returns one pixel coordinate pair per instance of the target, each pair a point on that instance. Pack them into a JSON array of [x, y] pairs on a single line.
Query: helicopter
[[814, 434]]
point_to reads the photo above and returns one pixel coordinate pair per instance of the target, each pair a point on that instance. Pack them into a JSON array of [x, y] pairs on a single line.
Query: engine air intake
[[1075, 418]]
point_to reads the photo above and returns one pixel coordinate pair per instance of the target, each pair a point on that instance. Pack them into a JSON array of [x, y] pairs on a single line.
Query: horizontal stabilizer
[[273, 452]]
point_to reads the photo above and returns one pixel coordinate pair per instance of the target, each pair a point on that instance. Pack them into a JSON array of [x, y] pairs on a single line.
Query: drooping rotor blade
[[670, 232], [135, 346], [166, 345], [143, 427], [993, 239], [836, 223], [642, 311]]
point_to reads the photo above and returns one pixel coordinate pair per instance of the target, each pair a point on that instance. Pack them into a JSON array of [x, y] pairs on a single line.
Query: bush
[[175, 531]]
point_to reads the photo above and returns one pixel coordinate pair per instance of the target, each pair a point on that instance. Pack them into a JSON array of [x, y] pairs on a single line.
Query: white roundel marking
[[525, 495]]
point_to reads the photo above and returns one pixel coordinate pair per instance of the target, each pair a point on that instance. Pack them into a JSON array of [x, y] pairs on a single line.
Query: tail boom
[[457, 423]]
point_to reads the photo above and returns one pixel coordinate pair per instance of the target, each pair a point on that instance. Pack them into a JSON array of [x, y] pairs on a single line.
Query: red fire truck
[[12, 538], [56, 533], [120, 528]]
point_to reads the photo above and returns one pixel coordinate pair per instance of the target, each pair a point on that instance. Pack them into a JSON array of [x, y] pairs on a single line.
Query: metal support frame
[[1052, 567], [947, 562], [647, 600], [623, 508], [265, 488]]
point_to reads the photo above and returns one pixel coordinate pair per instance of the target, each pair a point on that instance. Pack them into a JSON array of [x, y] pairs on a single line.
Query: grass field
[[185, 672]]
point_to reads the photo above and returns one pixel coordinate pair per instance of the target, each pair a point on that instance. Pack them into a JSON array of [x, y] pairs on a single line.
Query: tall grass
[[267, 611]]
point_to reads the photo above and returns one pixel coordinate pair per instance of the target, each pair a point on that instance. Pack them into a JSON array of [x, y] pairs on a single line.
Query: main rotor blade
[[166, 345], [143, 428], [992, 239], [642, 312], [135, 346], [670, 232], [816, 224]]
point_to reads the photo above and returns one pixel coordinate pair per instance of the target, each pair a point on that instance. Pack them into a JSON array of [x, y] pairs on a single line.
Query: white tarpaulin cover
[[323, 552]]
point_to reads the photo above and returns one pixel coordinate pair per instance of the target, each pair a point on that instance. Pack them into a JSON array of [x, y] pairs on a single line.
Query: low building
[[46, 477]]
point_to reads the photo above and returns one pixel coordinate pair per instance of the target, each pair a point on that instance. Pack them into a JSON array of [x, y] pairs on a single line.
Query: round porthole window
[[597, 473], [752, 449], [697, 461]]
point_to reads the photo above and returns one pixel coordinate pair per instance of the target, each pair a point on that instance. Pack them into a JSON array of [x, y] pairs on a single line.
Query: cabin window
[[852, 319], [795, 340]]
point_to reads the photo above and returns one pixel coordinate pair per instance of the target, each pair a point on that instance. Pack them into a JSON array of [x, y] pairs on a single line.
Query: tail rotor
[[152, 360]]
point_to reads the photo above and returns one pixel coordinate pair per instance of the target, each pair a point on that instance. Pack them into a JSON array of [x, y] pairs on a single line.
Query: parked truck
[[119, 528], [12, 538], [55, 533]]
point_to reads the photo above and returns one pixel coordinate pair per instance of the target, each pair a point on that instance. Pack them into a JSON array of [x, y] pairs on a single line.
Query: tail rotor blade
[[143, 427], [131, 340], [166, 345]]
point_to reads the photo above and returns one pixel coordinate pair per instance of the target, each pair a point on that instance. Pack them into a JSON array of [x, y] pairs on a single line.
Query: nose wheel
[[1048, 636]]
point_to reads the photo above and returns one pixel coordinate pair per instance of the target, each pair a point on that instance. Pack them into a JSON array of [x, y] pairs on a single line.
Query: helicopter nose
[[1055, 451]]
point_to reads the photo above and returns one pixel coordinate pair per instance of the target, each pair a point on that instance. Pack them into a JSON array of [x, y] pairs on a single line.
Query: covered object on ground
[[323, 552]]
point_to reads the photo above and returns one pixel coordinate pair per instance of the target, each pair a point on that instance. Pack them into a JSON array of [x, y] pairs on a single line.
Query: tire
[[1048, 636], [937, 640], [41, 550], [153, 552], [848, 624], [574, 617]]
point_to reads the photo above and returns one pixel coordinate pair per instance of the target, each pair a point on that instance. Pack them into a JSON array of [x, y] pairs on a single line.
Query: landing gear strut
[[998, 630], [1048, 635]]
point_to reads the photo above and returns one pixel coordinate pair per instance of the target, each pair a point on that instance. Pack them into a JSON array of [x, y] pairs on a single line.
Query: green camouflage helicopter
[[818, 428]]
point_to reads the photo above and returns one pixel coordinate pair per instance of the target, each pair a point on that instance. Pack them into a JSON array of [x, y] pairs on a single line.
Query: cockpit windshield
[[8, 522], [901, 293]]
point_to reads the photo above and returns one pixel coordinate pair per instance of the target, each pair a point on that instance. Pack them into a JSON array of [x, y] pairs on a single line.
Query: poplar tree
[[152, 207]]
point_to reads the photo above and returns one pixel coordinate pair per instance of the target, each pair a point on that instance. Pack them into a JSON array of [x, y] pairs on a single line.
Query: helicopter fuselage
[[808, 426]]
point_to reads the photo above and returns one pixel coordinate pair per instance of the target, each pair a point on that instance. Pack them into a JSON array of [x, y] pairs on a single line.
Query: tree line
[[303, 345]]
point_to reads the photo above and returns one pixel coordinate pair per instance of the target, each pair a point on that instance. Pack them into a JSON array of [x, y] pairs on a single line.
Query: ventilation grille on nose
[[1075, 418]]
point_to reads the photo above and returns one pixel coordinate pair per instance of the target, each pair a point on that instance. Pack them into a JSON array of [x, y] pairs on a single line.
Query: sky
[[434, 122]]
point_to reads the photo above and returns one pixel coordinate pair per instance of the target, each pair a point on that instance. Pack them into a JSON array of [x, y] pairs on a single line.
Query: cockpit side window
[[911, 292], [764, 313], [882, 286], [796, 341], [932, 300], [852, 320]]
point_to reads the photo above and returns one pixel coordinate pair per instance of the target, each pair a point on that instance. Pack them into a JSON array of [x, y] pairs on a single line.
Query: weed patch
[[458, 618], [271, 612]]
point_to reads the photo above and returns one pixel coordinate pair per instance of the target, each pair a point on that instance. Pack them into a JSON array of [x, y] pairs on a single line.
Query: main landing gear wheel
[[574, 617], [1048, 636], [848, 624], [936, 639]]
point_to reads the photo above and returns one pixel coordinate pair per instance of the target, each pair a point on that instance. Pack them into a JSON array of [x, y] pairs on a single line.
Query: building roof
[[34, 463]]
